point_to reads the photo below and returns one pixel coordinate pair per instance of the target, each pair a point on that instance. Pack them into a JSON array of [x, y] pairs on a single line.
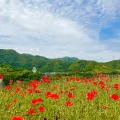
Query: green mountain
[[11, 57], [65, 64], [55, 66]]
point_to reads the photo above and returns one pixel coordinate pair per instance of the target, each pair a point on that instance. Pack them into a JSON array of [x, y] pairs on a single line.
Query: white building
[[34, 70]]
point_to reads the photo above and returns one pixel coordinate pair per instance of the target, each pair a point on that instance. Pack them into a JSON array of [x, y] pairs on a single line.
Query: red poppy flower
[[30, 91], [104, 107], [54, 96], [1, 77], [90, 96], [54, 87], [8, 87], [72, 88], [70, 95], [69, 104], [78, 80], [31, 111], [41, 109], [19, 82], [10, 82], [36, 101], [37, 91], [116, 86], [14, 100], [17, 90], [9, 106], [48, 94], [95, 83], [114, 96], [45, 79], [76, 71], [94, 92], [17, 118]]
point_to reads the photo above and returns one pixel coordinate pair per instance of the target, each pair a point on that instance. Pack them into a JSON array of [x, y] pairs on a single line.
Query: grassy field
[[64, 98]]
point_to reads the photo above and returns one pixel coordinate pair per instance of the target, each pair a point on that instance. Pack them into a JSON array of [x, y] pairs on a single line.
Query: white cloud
[[59, 28]]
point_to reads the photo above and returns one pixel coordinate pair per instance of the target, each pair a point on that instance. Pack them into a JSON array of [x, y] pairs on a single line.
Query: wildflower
[[19, 82], [76, 71], [114, 97], [72, 88], [37, 91], [91, 95], [45, 79], [54, 87], [41, 109], [36, 101], [104, 107], [30, 91], [78, 80], [102, 84], [8, 87], [1, 77], [116, 86], [54, 96], [69, 104], [48, 94], [17, 118], [17, 90], [95, 83], [31, 111], [70, 95], [9, 106], [14, 100], [10, 82]]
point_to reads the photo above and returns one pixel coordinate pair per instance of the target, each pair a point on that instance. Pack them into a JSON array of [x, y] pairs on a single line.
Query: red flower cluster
[[36, 101], [31, 111], [45, 79], [34, 84], [102, 84], [8, 87], [49, 94], [91, 95]]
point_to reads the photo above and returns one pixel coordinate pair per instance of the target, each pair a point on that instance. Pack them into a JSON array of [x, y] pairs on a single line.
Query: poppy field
[[62, 98]]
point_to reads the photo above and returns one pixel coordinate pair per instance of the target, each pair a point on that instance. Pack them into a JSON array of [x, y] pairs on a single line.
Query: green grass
[[55, 109]]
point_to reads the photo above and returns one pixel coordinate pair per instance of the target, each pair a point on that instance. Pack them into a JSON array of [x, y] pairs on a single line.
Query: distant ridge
[[68, 59]]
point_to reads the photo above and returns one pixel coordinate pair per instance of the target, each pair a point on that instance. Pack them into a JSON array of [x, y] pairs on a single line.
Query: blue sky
[[86, 29]]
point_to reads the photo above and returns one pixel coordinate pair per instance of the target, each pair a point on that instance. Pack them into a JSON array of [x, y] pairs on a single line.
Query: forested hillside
[[66, 64]]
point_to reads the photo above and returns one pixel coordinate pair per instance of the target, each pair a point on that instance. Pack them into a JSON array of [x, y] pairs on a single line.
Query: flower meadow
[[62, 98]]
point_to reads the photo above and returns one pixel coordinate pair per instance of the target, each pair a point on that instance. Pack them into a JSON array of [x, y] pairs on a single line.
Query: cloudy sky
[[86, 29]]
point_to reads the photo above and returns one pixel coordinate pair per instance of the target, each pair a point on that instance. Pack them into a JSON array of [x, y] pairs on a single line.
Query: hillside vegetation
[[66, 64]]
